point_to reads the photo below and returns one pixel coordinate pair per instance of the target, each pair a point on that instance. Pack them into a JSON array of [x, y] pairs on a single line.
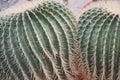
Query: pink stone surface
[[20, 2], [77, 5]]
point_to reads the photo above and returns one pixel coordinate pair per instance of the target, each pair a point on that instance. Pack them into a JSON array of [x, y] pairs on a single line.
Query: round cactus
[[99, 40], [35, 42]]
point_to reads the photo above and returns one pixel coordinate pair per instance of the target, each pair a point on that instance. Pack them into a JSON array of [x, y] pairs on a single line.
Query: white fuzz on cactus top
[[111, 6], [22, 6]]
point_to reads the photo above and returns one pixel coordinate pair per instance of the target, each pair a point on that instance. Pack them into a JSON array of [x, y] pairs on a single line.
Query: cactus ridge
[[98, 38], [36, 44]]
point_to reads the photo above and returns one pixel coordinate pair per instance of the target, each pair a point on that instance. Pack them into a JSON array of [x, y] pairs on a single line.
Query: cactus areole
[[35, 41], [99, 40]]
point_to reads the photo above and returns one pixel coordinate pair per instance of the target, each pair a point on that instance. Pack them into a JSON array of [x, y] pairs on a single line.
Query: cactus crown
[[21, 8], [111, 6]]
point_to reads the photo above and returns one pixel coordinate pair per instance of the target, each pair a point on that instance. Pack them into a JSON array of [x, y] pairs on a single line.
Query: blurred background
[[6, 4]]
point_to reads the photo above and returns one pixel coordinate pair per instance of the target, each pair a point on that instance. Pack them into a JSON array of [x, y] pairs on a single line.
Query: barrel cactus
[[35, 42], [98, 39]]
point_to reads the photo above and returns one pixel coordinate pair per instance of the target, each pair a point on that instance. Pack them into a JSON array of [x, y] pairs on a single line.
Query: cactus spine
[[35, 44], [98, 38]]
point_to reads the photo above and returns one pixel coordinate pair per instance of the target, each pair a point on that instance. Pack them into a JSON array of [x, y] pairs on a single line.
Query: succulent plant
[[41, 40], [35, 42], [98, 39]]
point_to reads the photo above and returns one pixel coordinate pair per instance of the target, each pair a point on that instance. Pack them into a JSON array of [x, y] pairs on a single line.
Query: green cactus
[[98, 39], [35, 44]]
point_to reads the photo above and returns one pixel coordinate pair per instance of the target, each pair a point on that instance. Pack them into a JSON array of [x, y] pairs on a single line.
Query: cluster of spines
[[98, 38], [36, 44]]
